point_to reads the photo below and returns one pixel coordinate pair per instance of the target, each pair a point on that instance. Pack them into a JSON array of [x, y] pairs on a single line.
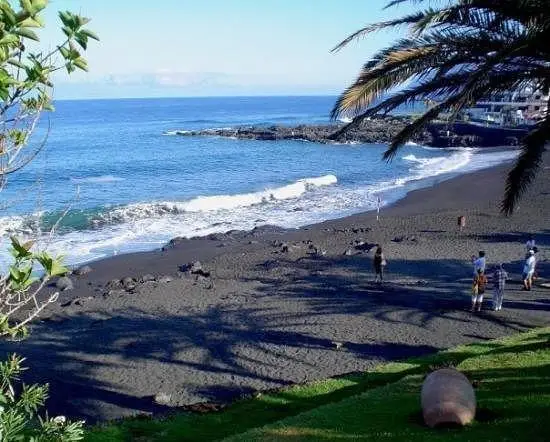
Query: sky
[[167, 48]]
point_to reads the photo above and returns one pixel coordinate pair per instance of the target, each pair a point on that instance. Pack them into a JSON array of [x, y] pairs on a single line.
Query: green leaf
[[27, 33], [64, 52], [26, 5], [70, 67], [9, 15], [57, 268], [69, 20], [82, 40], [31, 22], [89, 34], [9, 40], [67, 31], [81, 64], [39, 5], [22, 250], [82, 21], [52, 266]]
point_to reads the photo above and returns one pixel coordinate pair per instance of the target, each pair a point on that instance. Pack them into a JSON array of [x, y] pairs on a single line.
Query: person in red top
[[478, 290]]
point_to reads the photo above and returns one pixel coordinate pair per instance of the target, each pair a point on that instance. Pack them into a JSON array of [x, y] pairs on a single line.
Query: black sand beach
[[271, 307]]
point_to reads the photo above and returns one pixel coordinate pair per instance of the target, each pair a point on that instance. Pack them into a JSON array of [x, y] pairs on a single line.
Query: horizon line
[[199, 96]]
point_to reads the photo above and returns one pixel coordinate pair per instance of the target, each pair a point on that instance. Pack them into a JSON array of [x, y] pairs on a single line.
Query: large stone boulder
[[64, 283], [447, 398], [81, 271]]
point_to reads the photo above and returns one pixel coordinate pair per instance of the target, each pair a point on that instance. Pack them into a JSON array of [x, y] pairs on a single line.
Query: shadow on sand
[[104, 365]]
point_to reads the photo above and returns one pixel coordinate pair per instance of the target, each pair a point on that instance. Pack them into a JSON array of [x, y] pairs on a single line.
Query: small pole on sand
[[378, 202]]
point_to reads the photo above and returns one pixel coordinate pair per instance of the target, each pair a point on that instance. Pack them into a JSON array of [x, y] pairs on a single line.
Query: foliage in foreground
[[456, 55], [19, 405], [25, 85], [512, 378], [19, 288]]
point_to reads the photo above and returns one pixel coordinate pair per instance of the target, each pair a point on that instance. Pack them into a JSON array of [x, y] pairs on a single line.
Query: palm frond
[[408, 20], [456, 53], [372, 83], [393, 3], [409, 131], [523, 173]]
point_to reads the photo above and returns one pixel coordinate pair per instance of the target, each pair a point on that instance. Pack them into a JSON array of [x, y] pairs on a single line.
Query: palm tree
[[457, 54]]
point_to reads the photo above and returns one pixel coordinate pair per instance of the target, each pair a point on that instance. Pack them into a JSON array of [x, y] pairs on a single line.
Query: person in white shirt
[[530, 244], [479, 263], [529, 270]]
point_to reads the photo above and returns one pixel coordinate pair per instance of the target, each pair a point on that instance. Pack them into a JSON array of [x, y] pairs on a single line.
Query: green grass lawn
[[512, 379]]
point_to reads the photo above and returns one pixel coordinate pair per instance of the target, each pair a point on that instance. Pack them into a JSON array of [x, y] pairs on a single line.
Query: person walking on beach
[[379, 262], [478, 290], [499, 281], [479, 263], [529, 270], [530, 244]]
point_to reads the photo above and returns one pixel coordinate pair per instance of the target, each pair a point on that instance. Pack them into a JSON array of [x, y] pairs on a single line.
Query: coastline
[[268, 307], [199, 247], [415, 202], [381, 129]]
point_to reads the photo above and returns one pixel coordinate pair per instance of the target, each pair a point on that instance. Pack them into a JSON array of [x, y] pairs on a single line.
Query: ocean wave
[[426, 167], [97, 218], [286, 118], [345, 119], [19, 225], [97, 179], [203, 121], [172, 133], [215, 202]]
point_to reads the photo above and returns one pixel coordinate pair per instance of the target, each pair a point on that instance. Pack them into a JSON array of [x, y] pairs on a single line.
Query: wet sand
[[273, 307]]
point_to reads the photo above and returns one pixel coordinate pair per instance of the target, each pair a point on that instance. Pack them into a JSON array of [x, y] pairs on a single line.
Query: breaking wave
[[97, 179], [97, 218], [426, 167], [345, 119]]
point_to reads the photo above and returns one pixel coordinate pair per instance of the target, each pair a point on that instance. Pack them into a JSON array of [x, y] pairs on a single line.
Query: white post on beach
[[378, 202]]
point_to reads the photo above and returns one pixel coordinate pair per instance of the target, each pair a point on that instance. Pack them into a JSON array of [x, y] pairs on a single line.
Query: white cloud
[[166, 82]]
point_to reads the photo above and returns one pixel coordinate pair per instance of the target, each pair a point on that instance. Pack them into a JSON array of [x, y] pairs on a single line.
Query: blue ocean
[[115, 178]]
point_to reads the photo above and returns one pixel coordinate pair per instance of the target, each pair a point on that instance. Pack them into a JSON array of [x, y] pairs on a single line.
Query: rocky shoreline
[[379, 130]]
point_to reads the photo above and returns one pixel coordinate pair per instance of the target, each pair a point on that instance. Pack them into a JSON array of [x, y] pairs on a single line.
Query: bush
[[19, 404]]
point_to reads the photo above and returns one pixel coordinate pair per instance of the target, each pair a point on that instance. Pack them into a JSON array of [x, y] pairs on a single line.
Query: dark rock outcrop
[[376, 130]]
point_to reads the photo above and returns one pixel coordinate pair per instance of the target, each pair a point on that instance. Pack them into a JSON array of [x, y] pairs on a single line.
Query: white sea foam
[[97, 179], [462, 159], [345, 119], [174, 132], [216, 202], [426, 167], [18, 225], [185, 132]]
